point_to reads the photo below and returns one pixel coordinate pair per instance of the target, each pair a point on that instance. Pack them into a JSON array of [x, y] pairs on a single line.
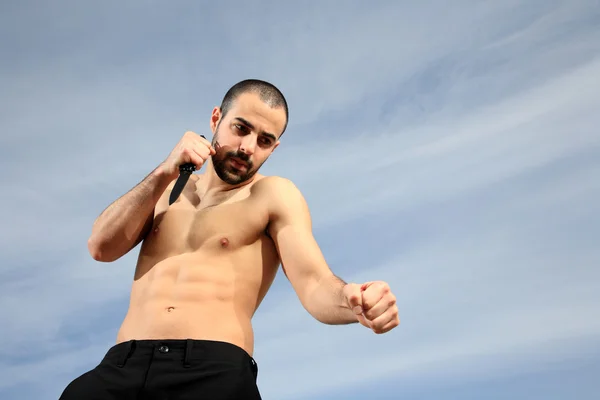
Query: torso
[[203, 269]]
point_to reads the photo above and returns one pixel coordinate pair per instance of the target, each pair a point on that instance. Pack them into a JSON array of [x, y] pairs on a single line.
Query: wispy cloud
[[454, 154]]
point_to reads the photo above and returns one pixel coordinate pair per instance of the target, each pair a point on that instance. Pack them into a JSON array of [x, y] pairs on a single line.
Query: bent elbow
[[96, 250]]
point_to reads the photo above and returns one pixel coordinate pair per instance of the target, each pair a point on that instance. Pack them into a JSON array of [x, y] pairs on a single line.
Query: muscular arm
[[124, 223], [318, 289]]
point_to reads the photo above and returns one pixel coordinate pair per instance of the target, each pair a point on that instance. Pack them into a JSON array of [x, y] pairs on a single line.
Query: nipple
[[224, 242], [156, 230]]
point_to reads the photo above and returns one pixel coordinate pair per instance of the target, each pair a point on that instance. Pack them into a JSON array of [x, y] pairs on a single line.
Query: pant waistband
[[190, 347]]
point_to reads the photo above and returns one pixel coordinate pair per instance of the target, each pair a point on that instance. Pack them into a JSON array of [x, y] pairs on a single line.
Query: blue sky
[[448, 148]]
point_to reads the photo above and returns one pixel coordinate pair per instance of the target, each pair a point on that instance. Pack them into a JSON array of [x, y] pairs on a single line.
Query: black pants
[[169, 370]]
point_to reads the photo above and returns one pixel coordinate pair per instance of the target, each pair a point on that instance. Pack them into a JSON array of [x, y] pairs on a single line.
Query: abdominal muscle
[[195, 296]]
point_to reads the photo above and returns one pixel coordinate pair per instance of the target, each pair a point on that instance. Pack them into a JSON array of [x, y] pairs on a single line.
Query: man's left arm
[[325, 296]]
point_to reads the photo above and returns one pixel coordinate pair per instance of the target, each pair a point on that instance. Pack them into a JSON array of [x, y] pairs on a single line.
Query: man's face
[[245, 137]]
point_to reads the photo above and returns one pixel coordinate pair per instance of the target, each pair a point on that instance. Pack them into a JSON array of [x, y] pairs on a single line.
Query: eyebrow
[[249, 125]]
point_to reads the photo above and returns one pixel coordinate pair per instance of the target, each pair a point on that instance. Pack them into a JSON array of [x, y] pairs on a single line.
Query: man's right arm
[[125, 223]]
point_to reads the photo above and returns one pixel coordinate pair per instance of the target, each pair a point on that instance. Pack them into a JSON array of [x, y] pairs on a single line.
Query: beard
[[225, 169]]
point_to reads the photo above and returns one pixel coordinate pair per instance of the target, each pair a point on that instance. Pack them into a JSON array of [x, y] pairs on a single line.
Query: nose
[[248, 145]]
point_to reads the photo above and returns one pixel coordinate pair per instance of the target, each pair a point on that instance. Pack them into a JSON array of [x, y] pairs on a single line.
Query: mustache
[[237, 154], [230, 154], [242, 156]]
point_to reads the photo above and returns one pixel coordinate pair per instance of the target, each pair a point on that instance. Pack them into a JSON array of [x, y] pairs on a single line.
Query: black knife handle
[[188, 167]]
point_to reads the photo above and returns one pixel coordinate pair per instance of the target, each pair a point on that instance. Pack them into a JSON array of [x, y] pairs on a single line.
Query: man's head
[[246, 129]]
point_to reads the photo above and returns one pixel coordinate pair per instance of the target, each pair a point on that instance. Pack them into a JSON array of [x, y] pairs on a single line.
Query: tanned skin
[[207, 261]]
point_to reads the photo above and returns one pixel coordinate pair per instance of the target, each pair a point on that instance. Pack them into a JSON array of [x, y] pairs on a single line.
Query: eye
[[241, 128], [265, 141]]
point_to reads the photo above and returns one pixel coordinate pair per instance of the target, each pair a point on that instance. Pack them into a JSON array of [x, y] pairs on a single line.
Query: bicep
[[291, 230], [145, 230], [298, 250]]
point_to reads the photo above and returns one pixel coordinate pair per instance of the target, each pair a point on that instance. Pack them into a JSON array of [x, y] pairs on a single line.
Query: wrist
[[158, 181], [348, 298], [164, 174], [344, 297]]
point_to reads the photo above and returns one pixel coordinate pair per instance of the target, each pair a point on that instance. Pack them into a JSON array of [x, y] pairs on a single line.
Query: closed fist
[[192, 148], [374, 305]]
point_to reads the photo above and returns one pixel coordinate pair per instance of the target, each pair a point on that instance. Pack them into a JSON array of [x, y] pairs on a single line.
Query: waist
[[207, 321], [176, 349]]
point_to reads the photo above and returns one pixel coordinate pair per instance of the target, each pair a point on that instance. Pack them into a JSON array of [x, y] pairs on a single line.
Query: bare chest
[[230, 226]]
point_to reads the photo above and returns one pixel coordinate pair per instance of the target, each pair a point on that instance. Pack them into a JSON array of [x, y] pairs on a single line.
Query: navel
[[170, 309], [224, 242]]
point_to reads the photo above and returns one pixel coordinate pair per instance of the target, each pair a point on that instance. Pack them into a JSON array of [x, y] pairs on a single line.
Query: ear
[[275, 146], [214, 119]]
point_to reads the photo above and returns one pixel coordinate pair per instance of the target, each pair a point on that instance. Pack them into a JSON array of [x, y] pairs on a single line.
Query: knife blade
[[185, 170]]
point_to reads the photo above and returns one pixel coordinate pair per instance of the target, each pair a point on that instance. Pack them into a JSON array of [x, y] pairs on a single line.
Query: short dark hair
[[267, 92]]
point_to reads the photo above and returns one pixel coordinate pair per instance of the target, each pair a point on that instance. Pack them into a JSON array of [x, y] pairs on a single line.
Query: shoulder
[[274, 183], [280, 194], [276, 187]]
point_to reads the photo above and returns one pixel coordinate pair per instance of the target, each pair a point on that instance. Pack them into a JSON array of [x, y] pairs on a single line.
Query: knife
[[185, 170]]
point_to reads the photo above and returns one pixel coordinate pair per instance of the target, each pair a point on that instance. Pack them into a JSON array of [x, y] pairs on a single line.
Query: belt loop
[[126, 353], [188, 349]]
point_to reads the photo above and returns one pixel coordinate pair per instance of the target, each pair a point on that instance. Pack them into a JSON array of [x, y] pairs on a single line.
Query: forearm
[[122, 224], [325, 301]]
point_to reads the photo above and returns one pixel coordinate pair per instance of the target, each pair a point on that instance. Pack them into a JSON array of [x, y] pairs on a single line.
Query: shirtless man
[[207, 261]]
